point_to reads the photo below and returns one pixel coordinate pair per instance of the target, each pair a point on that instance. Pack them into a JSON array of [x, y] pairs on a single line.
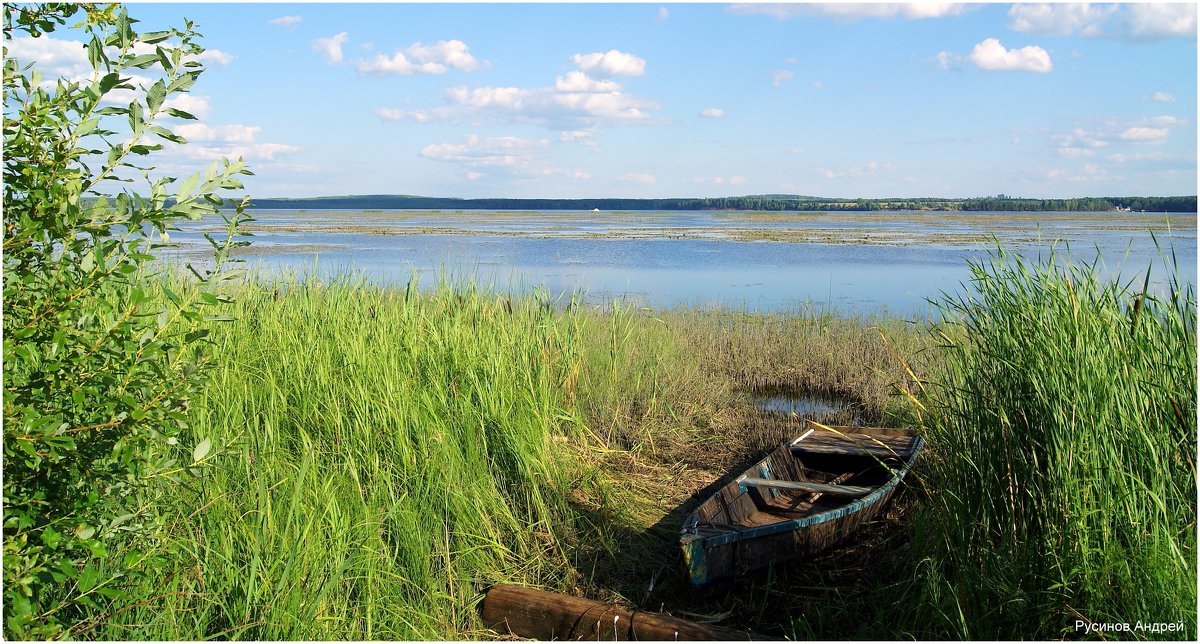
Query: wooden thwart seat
[[804, 486]]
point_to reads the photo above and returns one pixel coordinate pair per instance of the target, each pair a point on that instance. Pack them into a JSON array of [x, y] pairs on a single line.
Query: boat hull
[[741, 528]]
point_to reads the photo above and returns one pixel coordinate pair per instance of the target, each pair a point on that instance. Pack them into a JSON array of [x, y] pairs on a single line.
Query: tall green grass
[[1063, 486], [385, 455]]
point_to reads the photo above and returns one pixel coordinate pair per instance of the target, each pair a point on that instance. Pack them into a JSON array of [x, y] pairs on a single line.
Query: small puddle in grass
[[799, 403]]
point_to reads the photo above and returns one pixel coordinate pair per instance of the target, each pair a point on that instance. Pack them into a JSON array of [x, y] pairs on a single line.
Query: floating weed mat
[[1063, 480], [384, 456]]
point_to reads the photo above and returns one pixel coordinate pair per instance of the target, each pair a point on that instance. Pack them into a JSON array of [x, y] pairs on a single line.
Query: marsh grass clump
[[389, 454], [1064, 483]]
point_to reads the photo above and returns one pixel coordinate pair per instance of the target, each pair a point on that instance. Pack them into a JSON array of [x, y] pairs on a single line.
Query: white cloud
[[420, 58], [1158, 21], [1073, 152], [215, 57], [544, 106], [52, 57], [474, 176], [577, 81], [1162, 97], [223, 133], [712, 113], [331, 47], [634, 177], [1141, 134], [287, 21], [610, 63], [476, 152], [1137, 21], [1060, 19], [582, 137], [1079, 138], [854, 11], [576, 102], [737, 180], [663, 13], [990, 55], [947, 59], [207, 142], [780, 76], [197, 106], [263, 151], [870, 169]]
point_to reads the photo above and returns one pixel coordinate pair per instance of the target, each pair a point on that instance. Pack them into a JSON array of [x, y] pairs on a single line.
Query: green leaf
[[88, 578], [154, 37], [201, 450], [109, 81], [155, 95], [187, 188], [95, 53], [136, 117], [142, 61], [163, 59], [180, 114]]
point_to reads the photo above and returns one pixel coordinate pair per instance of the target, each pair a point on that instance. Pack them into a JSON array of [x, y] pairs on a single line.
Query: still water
[[852, 262]]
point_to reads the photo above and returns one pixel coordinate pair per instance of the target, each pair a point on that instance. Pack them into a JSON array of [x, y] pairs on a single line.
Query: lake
[[858, 263]]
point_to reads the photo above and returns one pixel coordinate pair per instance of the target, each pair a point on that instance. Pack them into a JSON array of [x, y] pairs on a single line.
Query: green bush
[[96, 376]]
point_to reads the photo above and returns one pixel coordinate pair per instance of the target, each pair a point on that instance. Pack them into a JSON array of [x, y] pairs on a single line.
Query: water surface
[[852, 262]]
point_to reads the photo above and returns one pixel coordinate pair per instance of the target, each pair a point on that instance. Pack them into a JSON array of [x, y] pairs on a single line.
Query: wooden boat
[[805, 496]]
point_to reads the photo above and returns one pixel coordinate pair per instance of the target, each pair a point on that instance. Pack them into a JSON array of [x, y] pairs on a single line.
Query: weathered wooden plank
[[823, 488], [542, 615]]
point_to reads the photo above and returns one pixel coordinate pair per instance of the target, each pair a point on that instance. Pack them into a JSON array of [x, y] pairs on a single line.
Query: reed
[[1064, 483], [383, 456]]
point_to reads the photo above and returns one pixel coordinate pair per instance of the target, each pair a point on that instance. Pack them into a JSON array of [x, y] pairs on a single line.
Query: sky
[[686, 100]]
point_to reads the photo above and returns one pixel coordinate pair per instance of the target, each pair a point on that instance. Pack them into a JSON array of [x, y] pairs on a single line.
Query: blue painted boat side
[[695, 547]]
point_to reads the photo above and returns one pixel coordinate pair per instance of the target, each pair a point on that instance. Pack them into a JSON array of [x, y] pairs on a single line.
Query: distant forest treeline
[[754, 202]]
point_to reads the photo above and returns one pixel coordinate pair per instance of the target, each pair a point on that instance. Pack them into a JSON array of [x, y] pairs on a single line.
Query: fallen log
[[542, 615]]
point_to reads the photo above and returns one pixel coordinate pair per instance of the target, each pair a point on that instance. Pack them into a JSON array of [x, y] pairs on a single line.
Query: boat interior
[[822, 469]]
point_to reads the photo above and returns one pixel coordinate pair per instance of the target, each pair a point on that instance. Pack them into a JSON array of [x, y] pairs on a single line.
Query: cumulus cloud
[[578, 100], [225, 133], [52, 57], [663, 13], [263, 151], [1158, 21], [781, 76], [287, 21], [207, 142], [474, 151], [420, 58], [610, 63], [1114, 132], [1060, 19], [197, 106], [712, 113], [1162, 97], [331, 47], [215, 57], [855, 11], [992, 56], [577, 81], [1142, 134], [1135, 22]]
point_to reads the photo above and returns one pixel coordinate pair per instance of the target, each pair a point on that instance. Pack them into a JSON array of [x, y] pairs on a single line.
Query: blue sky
[[666, 100]]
